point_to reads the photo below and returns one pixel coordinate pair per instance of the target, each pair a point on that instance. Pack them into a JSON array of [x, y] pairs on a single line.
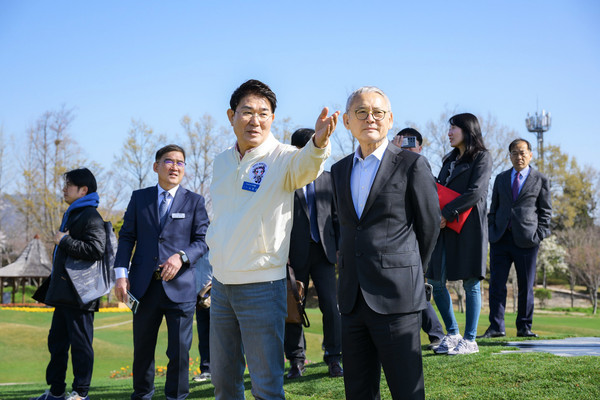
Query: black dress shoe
[[526, 333], [296, 371], [490, 333], [434, 345], [335, 370]]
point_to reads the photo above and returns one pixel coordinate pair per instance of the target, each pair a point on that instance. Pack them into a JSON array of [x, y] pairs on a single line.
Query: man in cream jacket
[[252, 195]]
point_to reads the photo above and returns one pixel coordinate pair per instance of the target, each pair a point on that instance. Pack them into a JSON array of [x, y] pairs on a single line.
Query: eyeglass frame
[[370, 113], [248, 115], [519, 154], [171, 163]]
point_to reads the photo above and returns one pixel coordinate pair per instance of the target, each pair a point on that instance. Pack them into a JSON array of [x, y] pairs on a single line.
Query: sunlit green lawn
[[486, 375]]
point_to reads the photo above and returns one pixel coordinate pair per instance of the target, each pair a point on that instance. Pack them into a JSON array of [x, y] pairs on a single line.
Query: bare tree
[[110, 189], [435, 137], [203, 141], [583, 256], [283, 128], [137, 155], [343, 142], [2, 150], [3, 237], [50, 150], [496, 137]]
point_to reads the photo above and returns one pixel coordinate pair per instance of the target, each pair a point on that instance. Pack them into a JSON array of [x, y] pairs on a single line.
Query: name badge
[[178, 215], [251, 187]]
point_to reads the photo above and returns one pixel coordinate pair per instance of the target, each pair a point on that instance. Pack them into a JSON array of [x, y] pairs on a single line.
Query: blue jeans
[[444, 303], [248, 320]]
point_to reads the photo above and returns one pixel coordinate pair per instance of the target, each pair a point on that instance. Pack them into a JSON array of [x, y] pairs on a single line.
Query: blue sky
[[156, 61]]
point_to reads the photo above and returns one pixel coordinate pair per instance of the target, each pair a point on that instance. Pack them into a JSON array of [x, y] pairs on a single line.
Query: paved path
[[578, 346]]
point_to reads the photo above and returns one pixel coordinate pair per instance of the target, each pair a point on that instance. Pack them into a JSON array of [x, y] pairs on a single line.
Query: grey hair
[[367, 89]]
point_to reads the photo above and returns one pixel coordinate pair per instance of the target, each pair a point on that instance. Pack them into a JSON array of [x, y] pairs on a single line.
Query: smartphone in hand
[[132, 302]]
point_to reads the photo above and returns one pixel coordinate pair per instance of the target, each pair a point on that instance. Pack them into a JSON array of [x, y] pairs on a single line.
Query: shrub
[[542, 295]]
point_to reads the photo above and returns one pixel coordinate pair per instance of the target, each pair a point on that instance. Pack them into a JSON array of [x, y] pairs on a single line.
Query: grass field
[[486, 375]]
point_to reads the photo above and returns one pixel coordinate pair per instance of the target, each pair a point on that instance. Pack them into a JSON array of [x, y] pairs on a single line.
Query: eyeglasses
[[516, 154], [171, 163], [248, 115], [378, 115]]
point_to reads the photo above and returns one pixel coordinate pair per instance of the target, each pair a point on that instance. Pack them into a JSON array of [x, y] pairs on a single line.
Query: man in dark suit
[[166, 224], [430, 323], [313, 247], [389, 221], [519, 219]]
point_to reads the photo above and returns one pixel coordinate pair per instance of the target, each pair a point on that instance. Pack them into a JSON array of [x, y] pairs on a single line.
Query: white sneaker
[[76, 396], [448, 342], [464, 346], [203, 377]]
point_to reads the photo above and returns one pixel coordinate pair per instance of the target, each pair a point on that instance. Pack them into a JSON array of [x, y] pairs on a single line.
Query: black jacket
[[86, 241], [383, 253], [466, 253], [529, 215], [327, 222]]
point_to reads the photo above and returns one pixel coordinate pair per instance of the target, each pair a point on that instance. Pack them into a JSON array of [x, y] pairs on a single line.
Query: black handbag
[[40, 293]]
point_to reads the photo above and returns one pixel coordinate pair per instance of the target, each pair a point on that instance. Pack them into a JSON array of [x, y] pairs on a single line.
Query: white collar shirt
[[170, 196], [363, 174]]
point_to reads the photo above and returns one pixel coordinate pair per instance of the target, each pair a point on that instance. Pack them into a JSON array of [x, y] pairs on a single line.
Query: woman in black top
[[462, 256]]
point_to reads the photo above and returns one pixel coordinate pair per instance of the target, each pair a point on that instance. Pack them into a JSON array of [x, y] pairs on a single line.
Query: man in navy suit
[[166, 224], [519, 219], [389, 217]]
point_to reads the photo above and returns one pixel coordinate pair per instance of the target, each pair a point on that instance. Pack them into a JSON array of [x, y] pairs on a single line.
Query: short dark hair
[[81, 177], [301, 137], [471, 130], [167, 149], [256, 88], [409, 132], [517, 141]]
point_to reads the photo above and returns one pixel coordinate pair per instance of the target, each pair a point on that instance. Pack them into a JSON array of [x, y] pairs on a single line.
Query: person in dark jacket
[[430, 323], [519, 219], [462, 256], [81, 236], [313, 247]]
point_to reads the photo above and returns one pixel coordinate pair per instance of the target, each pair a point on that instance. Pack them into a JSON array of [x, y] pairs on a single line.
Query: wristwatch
[[184, 257]]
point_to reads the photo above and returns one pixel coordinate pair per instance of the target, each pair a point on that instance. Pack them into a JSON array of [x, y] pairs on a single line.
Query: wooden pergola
[[32, 265]]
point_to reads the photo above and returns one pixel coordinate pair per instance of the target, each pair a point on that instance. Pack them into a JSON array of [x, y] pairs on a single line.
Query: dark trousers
[[371, 341], [502, 255], [203, 327], [323, 276], [431, 324], [75, 329], [146, 322]]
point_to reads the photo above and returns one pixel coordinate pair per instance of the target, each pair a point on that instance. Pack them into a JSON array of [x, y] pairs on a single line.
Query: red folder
[[446, 195]]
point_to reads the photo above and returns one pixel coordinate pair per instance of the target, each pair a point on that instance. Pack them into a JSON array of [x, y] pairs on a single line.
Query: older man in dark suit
[[166, 224], [519, 219], [389, 221], [313, 248]]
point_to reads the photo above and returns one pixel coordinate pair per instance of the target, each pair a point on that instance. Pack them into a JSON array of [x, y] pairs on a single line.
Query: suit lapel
[[505, 183], [302, 199], [390, 161], [346, 200], [152, 206], [529, 182]]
